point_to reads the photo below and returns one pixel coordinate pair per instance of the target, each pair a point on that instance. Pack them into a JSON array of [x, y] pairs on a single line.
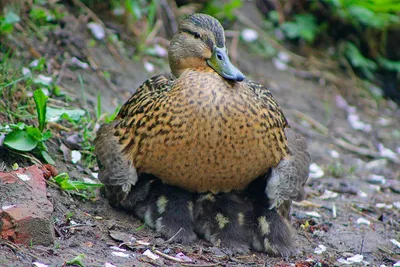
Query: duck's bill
[[220, 62]]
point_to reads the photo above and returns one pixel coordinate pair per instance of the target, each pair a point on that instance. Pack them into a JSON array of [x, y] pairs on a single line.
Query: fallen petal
[[120, 254], [249, 35], [315, 171], [363, 221], [151, 255], [75, 156], [320, 249], [328, 194], [38, 264], [395, 242], [97, 30], [313, 214], [183, 257]]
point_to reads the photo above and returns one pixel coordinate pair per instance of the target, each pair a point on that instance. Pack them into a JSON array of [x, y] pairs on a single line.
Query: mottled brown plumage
[[203, 128], [202, 132]]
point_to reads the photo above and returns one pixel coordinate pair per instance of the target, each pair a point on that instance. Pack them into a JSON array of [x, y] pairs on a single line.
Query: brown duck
[[204, 127]]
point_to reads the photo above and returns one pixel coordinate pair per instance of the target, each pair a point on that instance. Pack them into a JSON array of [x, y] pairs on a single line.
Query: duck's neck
[[179, 66]]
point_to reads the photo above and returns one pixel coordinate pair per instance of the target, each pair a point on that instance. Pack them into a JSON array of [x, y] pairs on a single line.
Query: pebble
[[376, 179]]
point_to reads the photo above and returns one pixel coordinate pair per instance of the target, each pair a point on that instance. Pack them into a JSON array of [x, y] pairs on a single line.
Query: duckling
[[203, 128]]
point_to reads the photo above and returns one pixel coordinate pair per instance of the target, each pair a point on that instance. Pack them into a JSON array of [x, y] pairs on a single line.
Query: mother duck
[[206, 133]]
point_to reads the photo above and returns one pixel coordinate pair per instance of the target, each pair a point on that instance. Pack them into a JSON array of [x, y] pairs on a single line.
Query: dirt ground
[[328, 218]]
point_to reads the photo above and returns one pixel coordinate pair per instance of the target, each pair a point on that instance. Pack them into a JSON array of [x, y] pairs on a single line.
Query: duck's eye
[[197, 35], [220, 56]]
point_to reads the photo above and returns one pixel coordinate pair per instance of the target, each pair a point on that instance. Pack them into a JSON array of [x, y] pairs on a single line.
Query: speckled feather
[[287, 179], [202, 132]]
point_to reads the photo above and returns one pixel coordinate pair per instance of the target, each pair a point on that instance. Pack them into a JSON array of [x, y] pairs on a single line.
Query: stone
[[25, 211]]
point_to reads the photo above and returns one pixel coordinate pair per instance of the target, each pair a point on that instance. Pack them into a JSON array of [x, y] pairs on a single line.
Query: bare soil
[[349, 174]]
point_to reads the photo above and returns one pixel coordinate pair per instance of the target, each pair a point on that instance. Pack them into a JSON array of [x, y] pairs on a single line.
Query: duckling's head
[[200, 42]]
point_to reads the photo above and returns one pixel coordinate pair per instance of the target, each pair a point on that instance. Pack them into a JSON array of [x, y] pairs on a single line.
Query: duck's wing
[[269, 105], [116, 169], [287, 179]]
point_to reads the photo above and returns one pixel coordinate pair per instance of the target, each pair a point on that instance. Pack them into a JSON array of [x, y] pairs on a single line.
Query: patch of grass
[[7, 22], [25, 138], [79, 188], [338, 170]]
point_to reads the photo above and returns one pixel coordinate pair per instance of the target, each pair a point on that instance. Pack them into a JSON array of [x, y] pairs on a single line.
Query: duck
[[203, 131]]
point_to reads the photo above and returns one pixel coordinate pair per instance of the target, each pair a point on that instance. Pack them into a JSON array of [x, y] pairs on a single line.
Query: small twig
[[362, 151], [306, 131], [15, 247], [77, 225], [154, 31], [306, 203], [32, 158], [60, 234], [167, 256], [362, 245], [334, 214], [173, 237], [318, 126], [386, 250], [170, 15], [359, 150], [234, 44], [58, 126], [201, 265], [372, 218], [61, 72]]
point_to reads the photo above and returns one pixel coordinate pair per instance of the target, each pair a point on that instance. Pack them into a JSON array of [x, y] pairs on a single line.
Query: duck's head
[[200, 42]]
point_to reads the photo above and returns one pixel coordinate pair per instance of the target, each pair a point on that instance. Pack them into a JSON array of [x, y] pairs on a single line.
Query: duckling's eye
[[197, 35]]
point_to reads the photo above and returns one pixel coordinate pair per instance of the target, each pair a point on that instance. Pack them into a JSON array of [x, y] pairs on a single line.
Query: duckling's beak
[[220, 62]]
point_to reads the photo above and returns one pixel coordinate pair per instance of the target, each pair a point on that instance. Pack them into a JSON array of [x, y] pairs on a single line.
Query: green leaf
[[21, 125], [356, 58], [47, 157], [389, 64], [77, 260], [66, 184], [11, 18], [46, 135], [34, 132], [55, 114], [41, 101], [20, 140], [304, 26], [6, 28]]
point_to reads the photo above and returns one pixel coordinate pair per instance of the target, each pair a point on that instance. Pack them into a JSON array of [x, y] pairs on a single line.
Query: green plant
[[77, 260], [303, 26], [82, 189], [7, 22], [22, 137], [338, 170], [222, 9], [357, 60], [374, 13]]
